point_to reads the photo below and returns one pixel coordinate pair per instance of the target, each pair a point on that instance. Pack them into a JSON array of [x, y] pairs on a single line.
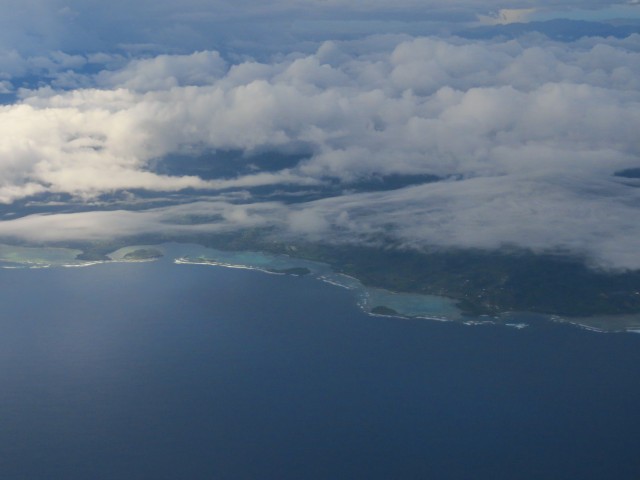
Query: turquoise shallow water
[[34, 257], [411, 304], [404, 304], [367, 298], [401, 304]]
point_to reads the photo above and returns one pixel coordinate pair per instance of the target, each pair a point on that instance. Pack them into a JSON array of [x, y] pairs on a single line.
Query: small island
[[382, 310], [295, 271], [480, 282], [143, 254]]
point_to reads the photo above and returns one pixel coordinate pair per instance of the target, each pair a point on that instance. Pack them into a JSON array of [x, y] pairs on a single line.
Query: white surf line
[[213, 263]]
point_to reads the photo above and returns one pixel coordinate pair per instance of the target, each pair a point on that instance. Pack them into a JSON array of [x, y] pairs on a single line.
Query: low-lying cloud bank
[[527, 133]]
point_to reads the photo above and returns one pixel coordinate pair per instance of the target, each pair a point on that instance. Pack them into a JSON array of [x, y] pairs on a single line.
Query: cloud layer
[[527, 134], [165, 26]]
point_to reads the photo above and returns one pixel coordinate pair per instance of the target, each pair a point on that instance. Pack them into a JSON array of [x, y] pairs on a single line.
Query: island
[[481, 282], [143, 254], [295, 271], [382, 310]]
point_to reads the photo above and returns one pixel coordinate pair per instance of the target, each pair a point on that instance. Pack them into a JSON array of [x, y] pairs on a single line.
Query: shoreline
[[626, 323]]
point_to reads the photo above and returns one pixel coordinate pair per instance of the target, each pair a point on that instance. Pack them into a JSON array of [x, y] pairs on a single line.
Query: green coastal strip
[[469, 286]]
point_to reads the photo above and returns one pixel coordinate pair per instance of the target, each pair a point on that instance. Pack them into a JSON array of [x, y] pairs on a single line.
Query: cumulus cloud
[[527, 135], [163, 72]]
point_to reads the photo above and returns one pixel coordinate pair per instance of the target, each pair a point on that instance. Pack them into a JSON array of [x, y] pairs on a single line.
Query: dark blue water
[[162, 371]]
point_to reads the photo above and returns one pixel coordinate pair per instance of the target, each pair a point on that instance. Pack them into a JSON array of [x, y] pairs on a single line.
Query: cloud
[[597, 220], [526, 133], [505, 16], [168, 26], [99, 225], [163, 72]]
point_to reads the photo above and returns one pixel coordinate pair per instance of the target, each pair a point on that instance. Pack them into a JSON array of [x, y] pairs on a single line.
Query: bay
[[162, 371]]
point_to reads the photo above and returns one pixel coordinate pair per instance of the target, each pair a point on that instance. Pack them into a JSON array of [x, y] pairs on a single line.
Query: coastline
[[415, 306]]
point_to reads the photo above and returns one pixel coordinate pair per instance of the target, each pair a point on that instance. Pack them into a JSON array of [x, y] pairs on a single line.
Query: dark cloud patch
[[225, 164], [629, 173]]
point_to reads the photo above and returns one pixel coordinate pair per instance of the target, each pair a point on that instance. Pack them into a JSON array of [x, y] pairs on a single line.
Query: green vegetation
[[490, 282], [483, 282], [382, 310], [296, 271]]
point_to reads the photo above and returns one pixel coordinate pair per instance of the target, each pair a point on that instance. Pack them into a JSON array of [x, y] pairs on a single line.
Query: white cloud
[[166, 71], [99, 225], [587, 216], [531, 129]]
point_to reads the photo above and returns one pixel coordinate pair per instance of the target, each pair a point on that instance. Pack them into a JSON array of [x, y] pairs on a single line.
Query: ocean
[[162, 371]]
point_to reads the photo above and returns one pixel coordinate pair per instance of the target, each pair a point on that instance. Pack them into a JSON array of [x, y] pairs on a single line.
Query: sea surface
[[157, 370]]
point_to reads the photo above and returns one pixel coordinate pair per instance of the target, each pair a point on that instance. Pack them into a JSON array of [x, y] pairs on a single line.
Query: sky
[[525, 131]]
